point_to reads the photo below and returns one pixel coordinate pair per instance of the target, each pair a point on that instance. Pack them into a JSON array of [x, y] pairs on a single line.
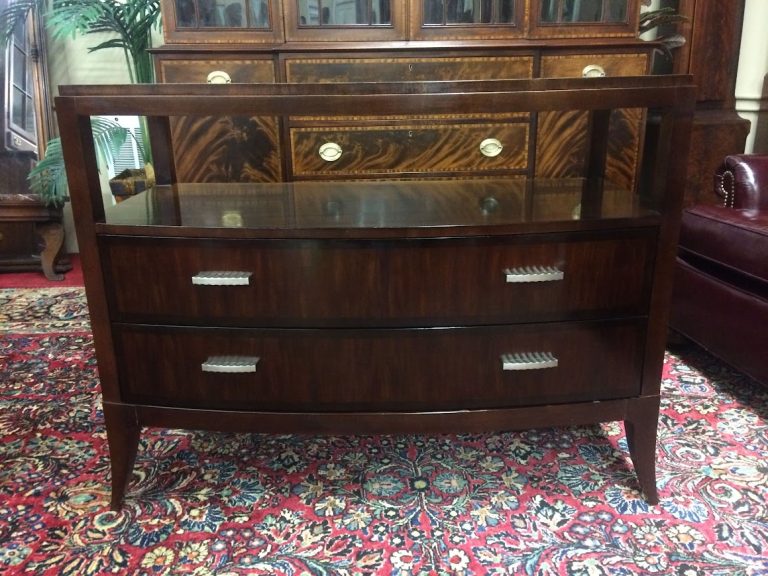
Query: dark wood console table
[[391, 300]]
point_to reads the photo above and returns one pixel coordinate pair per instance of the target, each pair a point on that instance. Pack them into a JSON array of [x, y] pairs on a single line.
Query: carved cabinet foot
[[52, 234]]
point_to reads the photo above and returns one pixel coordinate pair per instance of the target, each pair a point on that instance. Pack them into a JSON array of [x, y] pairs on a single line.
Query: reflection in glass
[[565, 11], [442, 12], [222, 14], [344, 13]]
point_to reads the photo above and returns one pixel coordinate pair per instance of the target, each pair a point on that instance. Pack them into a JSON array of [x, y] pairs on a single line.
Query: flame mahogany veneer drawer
[[379, 369], [400, 282], [197, 70], [305, 69], [416, 149]]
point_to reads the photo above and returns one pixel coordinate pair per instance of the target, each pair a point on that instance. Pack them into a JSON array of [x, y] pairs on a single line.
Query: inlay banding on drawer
[[417, 148]]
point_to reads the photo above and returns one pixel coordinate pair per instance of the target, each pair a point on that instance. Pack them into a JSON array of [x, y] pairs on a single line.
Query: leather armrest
[[742, 181]]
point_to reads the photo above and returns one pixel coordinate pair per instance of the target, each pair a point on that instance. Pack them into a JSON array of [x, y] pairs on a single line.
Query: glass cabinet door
[[457, 19], [227, 20], [331, 20], [576, 18], [21, 128]]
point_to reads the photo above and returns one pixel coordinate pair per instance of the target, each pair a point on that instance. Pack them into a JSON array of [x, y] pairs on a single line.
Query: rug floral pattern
[[540, 502]]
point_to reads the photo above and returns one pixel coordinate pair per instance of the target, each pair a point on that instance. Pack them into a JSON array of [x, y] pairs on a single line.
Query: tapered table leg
[[641, 423], [123, 433]]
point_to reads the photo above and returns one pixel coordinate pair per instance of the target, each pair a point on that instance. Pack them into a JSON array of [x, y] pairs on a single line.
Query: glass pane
[[259, 14], [19, 66], [29, 116], [469, 12], [578, 11], [186, 16], [17, 108], [234, 15], [222, 14], [583, 10], [210, 15], [344, 12], [616, 11]]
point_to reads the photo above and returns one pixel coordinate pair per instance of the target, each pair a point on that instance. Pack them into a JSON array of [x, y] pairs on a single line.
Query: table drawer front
[[315, 70], [387, 283], [197, 71], [417, 149], [579, 65], [339, 370]]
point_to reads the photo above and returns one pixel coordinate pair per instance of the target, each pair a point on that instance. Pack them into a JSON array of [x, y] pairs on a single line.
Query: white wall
[[751, 97], [69, 62]]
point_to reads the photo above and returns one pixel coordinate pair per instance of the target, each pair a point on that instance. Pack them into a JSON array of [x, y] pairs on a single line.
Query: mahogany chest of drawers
[[411, 303]]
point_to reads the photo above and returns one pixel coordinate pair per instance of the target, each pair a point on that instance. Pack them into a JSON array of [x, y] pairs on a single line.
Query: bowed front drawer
[[379, 369], [401, 282]]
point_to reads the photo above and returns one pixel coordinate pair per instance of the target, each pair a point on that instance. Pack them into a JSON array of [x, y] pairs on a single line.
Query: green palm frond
[[48, 178], [651, 19], [131, 22], [15, 14], [108, 138]]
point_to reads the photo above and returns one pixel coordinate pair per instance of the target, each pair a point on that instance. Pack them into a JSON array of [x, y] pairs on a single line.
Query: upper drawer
[[585, 65], [409, 149], [200, 71], [401, 69], [380, 369], [387, 283]]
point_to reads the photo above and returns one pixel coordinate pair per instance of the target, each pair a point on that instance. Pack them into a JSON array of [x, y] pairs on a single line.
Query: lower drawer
[[371, 370]]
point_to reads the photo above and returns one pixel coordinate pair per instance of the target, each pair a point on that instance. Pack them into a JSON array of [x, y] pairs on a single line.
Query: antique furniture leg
[[52, 234], [123, 435], [640, 425]]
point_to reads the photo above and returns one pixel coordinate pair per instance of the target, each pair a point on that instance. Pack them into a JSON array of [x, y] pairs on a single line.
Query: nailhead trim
[[729, 196]]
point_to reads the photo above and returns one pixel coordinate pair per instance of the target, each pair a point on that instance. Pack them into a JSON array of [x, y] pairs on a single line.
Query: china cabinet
[[325, 41], [413, 40]]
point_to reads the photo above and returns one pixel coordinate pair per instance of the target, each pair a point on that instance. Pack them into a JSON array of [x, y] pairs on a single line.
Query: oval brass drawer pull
[[218, 77], [528, 361], [533, 274], [230, 364], [593, 71], [221, 278], [491, 147], [330, 151]]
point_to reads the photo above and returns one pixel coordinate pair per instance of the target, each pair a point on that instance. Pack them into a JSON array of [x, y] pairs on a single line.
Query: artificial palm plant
[[130, 24]]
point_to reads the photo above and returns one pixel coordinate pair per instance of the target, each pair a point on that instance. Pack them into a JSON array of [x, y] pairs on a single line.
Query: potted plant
[[130, 23]]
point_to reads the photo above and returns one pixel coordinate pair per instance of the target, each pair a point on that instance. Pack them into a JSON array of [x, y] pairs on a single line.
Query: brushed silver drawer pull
[[593, 71], [221, 278], [230, 364], [533, 274], [330, 151], [218, 77], [528, 361], [490, 147]]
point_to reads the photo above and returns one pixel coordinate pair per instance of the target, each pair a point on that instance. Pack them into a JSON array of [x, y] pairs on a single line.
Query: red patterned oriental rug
[[541, 502]]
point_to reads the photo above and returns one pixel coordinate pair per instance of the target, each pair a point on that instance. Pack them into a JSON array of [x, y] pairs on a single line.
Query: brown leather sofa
[[720, 298]]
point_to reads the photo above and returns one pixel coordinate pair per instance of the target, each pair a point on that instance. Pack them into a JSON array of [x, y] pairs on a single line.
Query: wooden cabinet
[[323, 41], [31, 233], [422, 300]]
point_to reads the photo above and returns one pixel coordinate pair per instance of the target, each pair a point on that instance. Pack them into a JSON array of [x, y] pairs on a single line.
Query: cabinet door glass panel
[[314, 13], [580, 11], [228, 14], [445, 12], [21, 104]]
